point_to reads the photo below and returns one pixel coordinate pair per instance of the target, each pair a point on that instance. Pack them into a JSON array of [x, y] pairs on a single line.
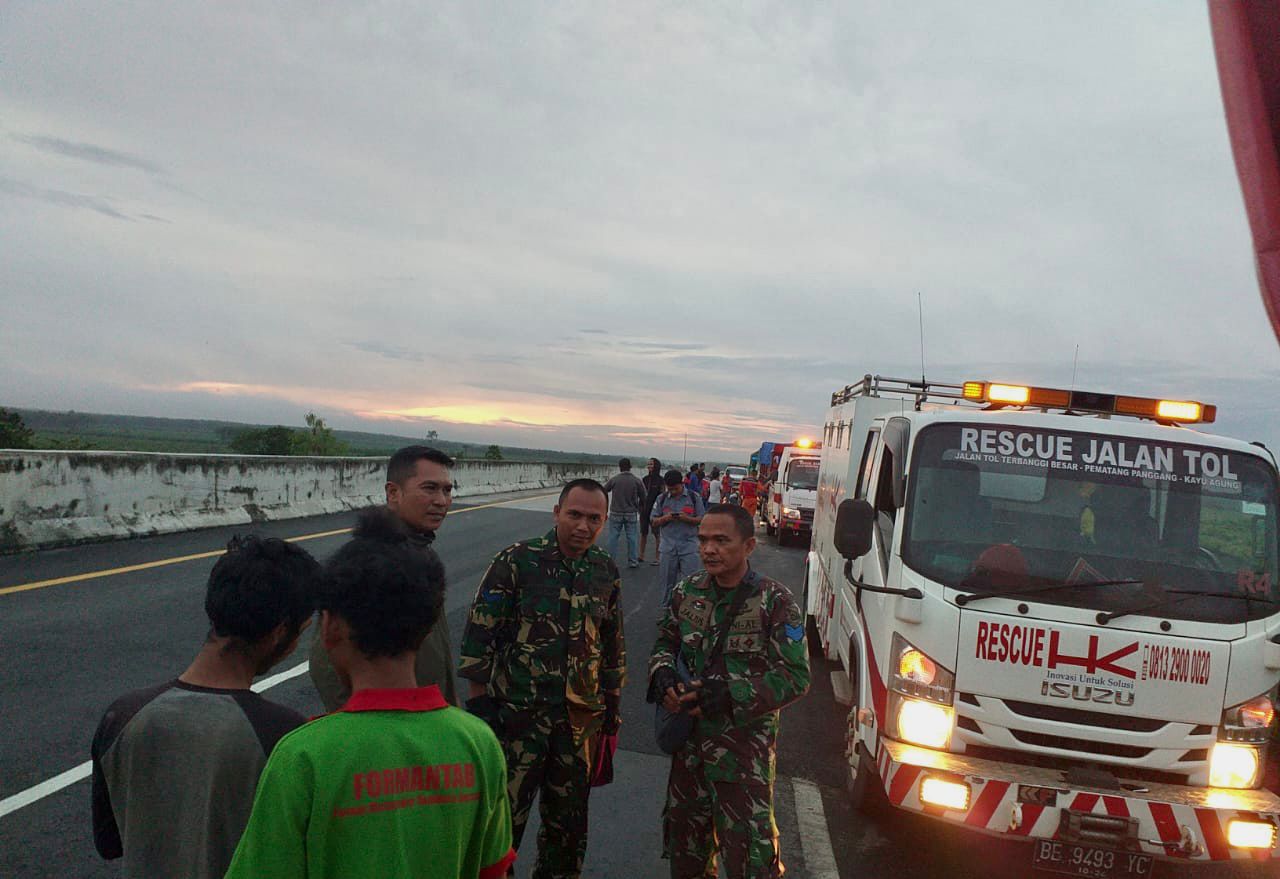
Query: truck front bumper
[[1026, 803]]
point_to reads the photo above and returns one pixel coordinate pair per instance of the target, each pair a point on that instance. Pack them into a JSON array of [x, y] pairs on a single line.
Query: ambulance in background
[[793, 493], [1056, 624]]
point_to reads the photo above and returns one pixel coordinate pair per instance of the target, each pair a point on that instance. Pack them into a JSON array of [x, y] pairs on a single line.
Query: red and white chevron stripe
[[992, 806]]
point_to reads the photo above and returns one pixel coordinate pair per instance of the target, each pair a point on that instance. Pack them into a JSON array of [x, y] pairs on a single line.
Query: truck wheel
[[810, 621], [863, 784], [862, 781], [769, 529]]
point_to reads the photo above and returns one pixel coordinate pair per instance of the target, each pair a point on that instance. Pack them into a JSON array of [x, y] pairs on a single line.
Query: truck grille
[[1083, 746], [1084, 718], [1137, 747]]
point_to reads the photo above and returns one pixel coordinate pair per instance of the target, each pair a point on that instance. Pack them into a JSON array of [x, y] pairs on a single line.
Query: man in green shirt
[[720, 793], [543, 651], [419, 492], [397, 783]]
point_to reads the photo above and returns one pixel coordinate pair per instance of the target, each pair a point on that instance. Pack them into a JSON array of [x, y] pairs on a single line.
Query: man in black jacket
[[653, 486], [420, 492]]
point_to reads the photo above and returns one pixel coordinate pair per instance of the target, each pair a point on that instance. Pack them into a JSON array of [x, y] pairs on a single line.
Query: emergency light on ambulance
[[1179, 411]]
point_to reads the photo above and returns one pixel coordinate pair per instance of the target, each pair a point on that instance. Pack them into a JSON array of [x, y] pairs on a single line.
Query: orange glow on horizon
[[625, 420]]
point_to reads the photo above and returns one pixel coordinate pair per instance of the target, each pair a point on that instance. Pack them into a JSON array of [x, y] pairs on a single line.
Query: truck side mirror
[[855, 520]]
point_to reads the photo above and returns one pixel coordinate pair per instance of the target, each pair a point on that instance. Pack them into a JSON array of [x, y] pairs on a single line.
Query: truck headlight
[[1233, 766], [1242, 833], [921, 692], [914, 673], [927, 724], [789, 513], [1249, 721]]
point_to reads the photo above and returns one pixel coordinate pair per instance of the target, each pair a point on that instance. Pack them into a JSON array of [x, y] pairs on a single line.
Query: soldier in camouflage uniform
[[720, 792], [543, 650]]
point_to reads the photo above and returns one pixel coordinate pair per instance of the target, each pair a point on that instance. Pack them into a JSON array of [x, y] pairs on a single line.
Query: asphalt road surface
[[69, 648]]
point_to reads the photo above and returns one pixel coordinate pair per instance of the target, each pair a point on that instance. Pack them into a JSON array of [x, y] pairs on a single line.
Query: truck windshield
[[1001, 509], [803, 473]]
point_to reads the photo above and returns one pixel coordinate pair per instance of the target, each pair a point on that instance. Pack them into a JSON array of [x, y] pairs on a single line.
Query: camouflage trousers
[[545, 757], [702, 818]]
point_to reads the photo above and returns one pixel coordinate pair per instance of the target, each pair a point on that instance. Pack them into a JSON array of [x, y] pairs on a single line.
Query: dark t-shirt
[[174, 772], [653, 486]]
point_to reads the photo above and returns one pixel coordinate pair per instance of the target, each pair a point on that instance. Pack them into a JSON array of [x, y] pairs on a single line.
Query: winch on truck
[[1036, 611]]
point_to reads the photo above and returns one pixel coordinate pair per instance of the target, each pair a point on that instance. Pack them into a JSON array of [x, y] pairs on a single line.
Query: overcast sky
[[600, 226]]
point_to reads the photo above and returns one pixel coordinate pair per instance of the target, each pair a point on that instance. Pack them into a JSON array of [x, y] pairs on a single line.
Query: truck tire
[[769, 529], [863, 787], [810, 621], [862, 781]]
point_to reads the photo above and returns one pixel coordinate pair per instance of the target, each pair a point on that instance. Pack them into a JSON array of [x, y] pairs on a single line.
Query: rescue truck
[[792, 496], [1057, 616]]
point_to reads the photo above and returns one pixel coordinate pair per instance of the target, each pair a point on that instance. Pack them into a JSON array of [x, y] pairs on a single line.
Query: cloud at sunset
[[604, 228]]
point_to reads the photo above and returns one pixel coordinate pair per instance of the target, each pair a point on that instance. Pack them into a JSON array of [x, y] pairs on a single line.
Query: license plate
[[1087, 860]]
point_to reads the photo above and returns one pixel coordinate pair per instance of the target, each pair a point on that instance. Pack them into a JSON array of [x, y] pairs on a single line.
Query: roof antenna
[[920, 306], [1074, 364]]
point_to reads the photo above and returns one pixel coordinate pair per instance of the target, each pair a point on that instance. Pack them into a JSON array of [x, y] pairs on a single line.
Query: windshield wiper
[[964, 599], [1183, 595]]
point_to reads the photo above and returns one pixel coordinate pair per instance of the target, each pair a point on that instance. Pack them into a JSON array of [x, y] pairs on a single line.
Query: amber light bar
[[1169, 411]]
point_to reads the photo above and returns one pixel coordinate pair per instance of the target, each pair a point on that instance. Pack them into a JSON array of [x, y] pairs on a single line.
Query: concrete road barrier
[[59, 498]]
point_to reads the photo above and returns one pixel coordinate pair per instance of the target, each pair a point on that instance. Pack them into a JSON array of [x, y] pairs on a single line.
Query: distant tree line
[[80, 431], [14, 434], [315, 439]]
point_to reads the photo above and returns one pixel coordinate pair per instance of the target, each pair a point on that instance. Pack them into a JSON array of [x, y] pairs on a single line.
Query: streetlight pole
[[685, 462]]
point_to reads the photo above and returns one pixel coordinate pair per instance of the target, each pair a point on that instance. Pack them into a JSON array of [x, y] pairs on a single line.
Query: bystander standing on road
[[543, 652], [626, 500], [715, 490], [749, 489], [399, 783], [419, 493], [720, 792], [175, 766], [693, 480], [653, 486], [677, 513]]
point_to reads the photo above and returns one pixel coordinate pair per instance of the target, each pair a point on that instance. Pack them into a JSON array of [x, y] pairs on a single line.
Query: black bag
[[672, 729]]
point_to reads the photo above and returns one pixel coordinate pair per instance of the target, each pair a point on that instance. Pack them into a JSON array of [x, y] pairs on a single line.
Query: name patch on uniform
[[696, 612], [745, 643]]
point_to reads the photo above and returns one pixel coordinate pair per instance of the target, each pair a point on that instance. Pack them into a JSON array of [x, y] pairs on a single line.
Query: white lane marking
[[84, 770], [644, 599], [280, 677], [815, 838], [44, 788]]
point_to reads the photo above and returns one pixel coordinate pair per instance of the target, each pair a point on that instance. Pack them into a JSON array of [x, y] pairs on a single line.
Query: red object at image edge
[[1246, 40]]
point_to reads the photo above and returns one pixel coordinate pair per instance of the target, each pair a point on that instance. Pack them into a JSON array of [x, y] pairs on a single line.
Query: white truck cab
[[1055, 624], [794, 495]]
